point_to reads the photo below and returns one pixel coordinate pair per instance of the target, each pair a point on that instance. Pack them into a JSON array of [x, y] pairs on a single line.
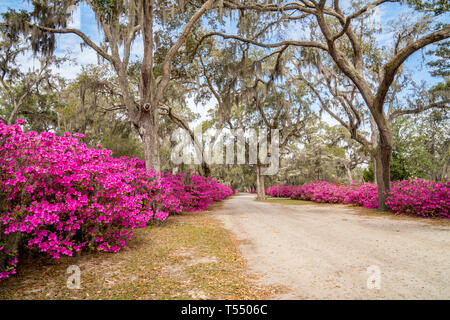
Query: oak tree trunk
[[382, 168], [148, 129], [261, 194], [206, 170], [349, 173], [375, 170]]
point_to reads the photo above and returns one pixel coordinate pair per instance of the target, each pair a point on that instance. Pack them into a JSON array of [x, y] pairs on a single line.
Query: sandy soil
[[323, 252]]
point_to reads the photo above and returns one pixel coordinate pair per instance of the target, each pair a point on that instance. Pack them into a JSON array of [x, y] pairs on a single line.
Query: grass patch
[[361, 210], [388, 214], [190, 256], [290, 201]]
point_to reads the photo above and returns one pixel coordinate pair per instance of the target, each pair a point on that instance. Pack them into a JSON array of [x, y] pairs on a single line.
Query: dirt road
[[324, 252]]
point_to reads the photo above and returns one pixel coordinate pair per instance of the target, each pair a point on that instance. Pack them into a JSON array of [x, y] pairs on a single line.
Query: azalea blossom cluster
[[420, 197], [57, 196], [411, 197], [194, 194]]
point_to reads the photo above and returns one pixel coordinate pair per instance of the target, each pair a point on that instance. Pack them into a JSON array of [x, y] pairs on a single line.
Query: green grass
[[290, 201], [360, 210], [375, 212]]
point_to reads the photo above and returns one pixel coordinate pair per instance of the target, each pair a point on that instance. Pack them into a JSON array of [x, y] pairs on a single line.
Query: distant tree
[[91, 104], [339, 35], [25, 93], [323, 152], [253, 92], [422, 142], [441, 64]]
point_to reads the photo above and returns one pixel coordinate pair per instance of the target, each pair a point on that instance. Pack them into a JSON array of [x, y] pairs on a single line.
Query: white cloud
[[70, 45], [328, 119], [137, 48], [201, 109], [27, 62], [375, 16], [75, 21]]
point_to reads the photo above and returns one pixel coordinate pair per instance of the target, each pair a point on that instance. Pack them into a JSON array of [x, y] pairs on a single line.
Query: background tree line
[[237, 56]]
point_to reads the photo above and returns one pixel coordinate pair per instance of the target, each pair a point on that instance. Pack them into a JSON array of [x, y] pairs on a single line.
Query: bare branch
[[83, 36], [307, 44], [174, 49], [390, 68], [441, 104]]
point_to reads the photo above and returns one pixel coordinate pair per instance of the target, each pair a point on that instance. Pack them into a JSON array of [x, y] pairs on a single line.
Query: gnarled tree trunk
[[148, 130], [260, 190], [349, 173], [382, 168], [206, 170]]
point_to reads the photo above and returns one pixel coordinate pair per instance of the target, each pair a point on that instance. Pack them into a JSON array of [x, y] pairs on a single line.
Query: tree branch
[[166, 66], [83, 36], [390, 68], [441, 104], [308, 44]]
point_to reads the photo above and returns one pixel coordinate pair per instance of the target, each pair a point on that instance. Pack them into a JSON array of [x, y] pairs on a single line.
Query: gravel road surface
[[324, 251]]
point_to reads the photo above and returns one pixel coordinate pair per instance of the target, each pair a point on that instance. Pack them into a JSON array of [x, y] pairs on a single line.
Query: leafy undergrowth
[[189, 256]]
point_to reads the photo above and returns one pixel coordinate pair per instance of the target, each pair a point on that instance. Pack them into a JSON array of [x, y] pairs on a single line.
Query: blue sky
[[85, 20]]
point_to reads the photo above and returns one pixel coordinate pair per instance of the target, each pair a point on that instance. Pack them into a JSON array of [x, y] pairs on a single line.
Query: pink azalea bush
[[412, 197], [279, 191], [321, 191], [197, 194], [57, 196], [363, 195], [420, 197]]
